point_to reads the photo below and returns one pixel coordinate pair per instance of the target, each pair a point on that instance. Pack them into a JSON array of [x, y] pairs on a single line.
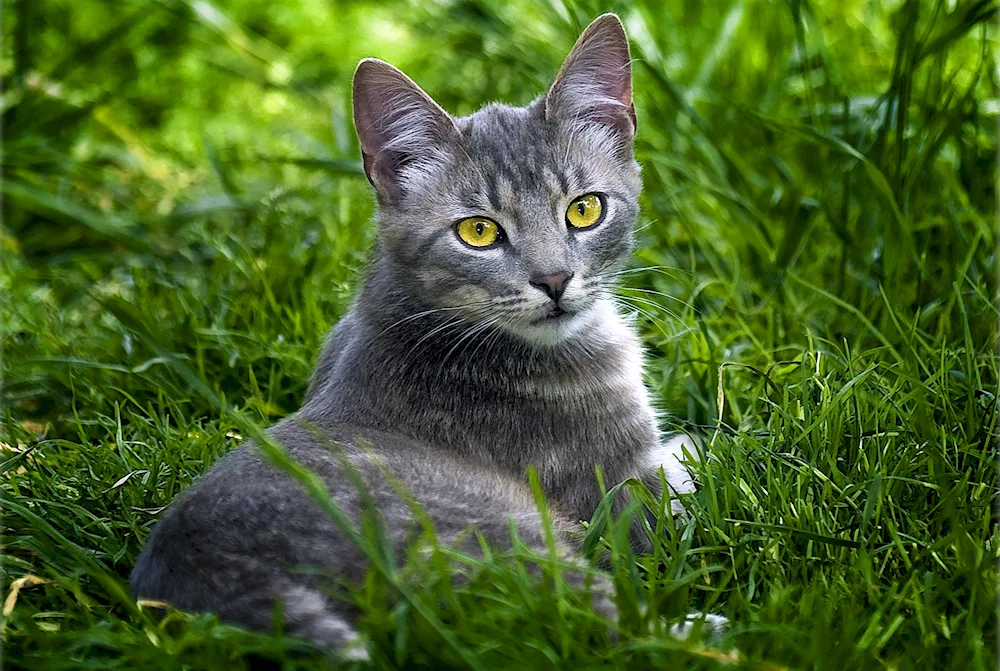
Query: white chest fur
[[622, 386], [670, 452]]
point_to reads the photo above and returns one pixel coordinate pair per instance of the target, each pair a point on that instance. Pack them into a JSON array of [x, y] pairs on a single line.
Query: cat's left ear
[[595, 82], [402, 130]]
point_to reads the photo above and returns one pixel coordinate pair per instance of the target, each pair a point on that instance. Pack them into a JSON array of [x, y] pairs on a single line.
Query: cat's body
[[473, 351], [246, 538], [494, 400]]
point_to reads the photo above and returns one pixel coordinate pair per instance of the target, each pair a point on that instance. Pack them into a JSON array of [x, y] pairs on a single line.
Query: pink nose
[[553, 285]]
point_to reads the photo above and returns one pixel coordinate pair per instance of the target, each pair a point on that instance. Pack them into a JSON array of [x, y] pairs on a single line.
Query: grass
[[185, 218]]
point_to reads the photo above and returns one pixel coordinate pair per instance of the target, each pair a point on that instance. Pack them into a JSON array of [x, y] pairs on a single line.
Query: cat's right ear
[[403, 132], [594, 85]]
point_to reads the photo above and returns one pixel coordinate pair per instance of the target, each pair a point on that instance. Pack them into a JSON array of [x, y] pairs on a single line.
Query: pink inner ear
[[397, 123], [595, 81]]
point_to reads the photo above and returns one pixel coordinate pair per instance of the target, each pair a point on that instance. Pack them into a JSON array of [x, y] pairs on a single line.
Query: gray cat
[[484, 340]]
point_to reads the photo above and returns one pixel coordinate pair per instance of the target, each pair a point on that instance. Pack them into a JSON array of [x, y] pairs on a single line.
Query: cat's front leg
[[669, 455]]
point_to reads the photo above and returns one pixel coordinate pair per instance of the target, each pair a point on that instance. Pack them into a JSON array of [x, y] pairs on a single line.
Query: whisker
[[660, 293], [644, 227], [424, 313], [654, 304], [497, 302], [492, 335], [658, 323], [438, 329], [466, 338], [658, 269]]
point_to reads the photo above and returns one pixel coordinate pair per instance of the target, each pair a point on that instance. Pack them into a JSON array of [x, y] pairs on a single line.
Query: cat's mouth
[[551, 324], [554, 314]]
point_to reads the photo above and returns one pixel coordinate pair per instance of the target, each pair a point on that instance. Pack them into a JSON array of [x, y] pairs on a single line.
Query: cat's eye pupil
[[586, 211], [479, 232]]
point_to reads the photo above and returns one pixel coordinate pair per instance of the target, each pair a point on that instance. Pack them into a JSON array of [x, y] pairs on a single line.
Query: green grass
[[185, 218]]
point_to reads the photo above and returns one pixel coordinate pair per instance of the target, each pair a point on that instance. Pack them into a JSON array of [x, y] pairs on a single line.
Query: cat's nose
[[553, 285]]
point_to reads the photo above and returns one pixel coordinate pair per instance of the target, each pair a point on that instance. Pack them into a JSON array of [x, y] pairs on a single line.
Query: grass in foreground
[[816, 288]]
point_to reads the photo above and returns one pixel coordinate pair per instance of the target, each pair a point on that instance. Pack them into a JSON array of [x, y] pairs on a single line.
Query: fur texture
[[452, 364]]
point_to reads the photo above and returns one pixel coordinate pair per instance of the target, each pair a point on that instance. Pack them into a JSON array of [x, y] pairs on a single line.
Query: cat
[[484, 340]]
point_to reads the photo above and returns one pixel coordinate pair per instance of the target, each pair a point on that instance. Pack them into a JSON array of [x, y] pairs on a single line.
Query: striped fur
[[448, 371]]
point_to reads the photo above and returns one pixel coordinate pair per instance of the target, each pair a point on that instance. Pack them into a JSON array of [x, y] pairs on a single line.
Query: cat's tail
[[306, 611], [310, 615]]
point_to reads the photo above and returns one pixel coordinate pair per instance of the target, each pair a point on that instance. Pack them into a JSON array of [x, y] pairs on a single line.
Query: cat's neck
[[394, 363]]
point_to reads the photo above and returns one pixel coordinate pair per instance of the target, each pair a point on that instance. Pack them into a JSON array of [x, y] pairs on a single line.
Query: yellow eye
[[479, 232], [585, 211]]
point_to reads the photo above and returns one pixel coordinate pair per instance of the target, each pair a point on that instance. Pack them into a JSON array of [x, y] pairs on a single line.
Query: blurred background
[[788, 148], [185, 217]]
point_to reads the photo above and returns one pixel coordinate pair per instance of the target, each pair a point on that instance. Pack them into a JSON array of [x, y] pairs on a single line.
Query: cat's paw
[[309, 615], [602, 591], [669, 455], [357, 651], [706, 625]]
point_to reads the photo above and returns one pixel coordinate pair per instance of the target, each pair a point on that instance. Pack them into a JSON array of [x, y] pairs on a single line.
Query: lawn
[[185, 217]]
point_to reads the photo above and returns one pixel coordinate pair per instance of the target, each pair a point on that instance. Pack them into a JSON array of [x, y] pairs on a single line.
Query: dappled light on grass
[[185, 218]]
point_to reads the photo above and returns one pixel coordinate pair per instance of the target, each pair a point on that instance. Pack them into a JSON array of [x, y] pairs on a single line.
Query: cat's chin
[[552, 330]]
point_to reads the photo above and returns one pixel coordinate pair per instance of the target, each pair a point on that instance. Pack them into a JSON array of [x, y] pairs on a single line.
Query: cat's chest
[[560, 413], [589, 409], [601, 390]]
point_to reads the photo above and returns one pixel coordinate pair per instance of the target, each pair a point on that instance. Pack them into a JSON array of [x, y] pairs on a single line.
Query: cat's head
[[512, 217]]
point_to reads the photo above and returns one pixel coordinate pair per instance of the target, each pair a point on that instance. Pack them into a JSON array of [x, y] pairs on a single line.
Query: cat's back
[[245, 522], [338, 341], [234, 528]]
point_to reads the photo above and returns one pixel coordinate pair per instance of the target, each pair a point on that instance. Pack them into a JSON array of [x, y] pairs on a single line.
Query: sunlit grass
[[185, 218]]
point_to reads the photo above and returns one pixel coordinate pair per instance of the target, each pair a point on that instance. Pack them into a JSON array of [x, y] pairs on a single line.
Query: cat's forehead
[[496, 121], [514, 151]]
